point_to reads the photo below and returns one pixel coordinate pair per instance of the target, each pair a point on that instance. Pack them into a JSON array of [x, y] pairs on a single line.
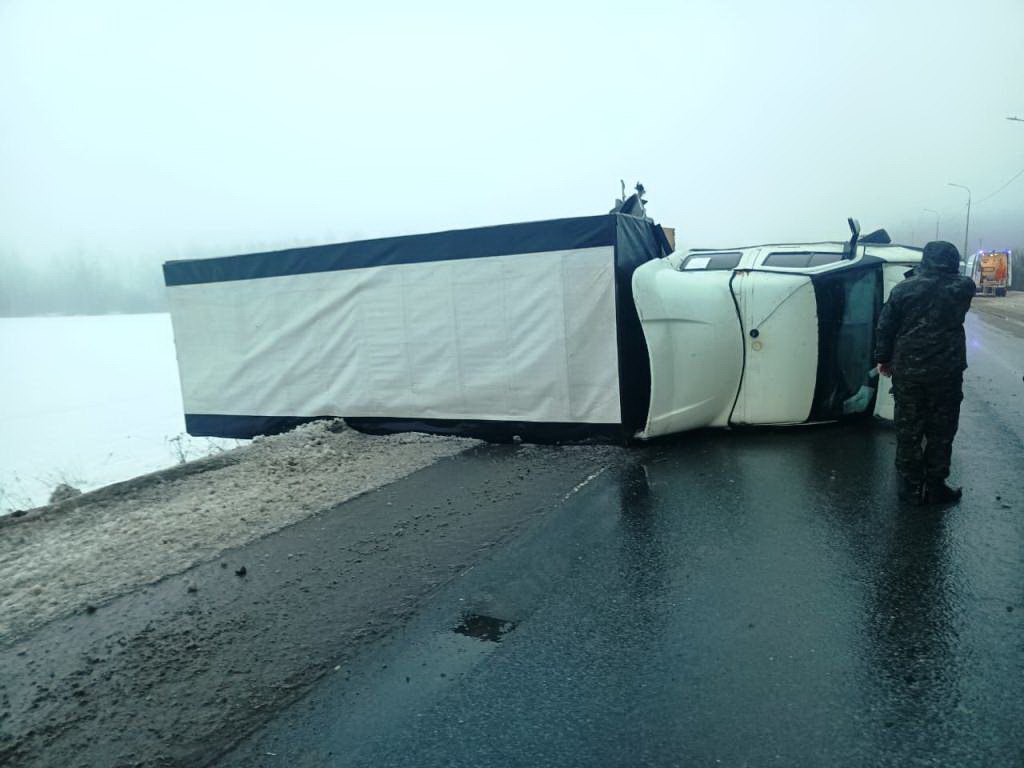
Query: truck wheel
[[1000, 291]]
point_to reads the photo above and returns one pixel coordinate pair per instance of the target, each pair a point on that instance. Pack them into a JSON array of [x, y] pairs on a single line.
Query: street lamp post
[[930, 210], [967, 227]]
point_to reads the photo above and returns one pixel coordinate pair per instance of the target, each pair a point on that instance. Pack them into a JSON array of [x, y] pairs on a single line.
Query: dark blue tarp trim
[[242, 427], [636, 242], [497, 431], [502, 240], [247, 427]]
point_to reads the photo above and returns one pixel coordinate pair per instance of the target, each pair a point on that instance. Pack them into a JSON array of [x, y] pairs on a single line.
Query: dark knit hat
[[942, 256]]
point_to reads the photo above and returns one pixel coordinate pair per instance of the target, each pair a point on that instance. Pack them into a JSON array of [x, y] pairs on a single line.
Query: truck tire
[[1000, 291]]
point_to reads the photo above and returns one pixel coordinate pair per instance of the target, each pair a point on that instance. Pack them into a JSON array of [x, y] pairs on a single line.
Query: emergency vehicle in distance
[[991, 271]]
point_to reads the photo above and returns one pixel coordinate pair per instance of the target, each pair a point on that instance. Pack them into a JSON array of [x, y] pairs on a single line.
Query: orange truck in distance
[[990, 271]]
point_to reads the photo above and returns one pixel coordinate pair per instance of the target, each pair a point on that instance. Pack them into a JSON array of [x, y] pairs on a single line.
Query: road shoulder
[[1004, 312], [172, 673], [64, 558]]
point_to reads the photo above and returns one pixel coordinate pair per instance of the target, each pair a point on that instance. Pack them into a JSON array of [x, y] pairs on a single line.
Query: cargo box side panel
[[510, 340], [780, 330]]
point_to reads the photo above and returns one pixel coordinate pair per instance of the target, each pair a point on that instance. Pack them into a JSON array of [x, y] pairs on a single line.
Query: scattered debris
[[241, 571]]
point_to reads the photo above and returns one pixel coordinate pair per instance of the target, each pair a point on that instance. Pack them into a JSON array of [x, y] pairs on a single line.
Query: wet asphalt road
[[740, 599]]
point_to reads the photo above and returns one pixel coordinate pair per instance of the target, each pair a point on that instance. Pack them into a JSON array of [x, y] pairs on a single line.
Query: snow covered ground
[[88, 401]]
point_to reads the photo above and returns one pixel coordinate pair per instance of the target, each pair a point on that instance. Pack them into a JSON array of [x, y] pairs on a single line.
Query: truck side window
[[820, 259], [800, 259], [709, 261], [787, 260]]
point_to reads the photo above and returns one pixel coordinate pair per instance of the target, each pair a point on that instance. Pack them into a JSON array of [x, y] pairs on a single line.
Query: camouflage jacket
[[921, 329]]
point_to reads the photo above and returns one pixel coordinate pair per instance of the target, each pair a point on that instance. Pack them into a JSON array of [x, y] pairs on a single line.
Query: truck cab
[[765, 334]]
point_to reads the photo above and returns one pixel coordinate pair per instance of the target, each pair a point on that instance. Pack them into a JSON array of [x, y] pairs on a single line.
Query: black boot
[[908, 491], [940, 493]]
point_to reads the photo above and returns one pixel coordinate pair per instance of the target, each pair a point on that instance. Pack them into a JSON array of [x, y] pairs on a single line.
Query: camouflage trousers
[[926, 419]]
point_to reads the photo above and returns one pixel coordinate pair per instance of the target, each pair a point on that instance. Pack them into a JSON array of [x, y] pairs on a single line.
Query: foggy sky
[[181, 128]]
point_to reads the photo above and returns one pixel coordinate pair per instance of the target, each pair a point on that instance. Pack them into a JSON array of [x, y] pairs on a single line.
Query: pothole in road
[[484, 627]]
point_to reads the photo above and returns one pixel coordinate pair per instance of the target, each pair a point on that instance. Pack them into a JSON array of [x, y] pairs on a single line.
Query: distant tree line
[[79, 285]]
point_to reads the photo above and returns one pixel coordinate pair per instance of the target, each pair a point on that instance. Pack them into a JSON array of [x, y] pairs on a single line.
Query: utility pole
[[930, 210], [967, 227]]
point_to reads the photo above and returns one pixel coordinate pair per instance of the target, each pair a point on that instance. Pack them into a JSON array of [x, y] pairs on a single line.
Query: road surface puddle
[[484, 627]]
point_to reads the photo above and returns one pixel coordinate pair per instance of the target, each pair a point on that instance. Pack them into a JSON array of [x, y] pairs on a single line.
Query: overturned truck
[[561, 330]]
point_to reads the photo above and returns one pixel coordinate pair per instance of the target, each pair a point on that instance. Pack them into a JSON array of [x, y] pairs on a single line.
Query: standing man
[[921, 345]]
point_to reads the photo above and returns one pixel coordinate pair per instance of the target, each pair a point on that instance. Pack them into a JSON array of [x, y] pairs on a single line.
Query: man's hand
[[885, 369]]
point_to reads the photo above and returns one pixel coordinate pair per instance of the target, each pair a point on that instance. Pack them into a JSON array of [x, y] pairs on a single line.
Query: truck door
[[849, 299], [779, 320], [809, 335]]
